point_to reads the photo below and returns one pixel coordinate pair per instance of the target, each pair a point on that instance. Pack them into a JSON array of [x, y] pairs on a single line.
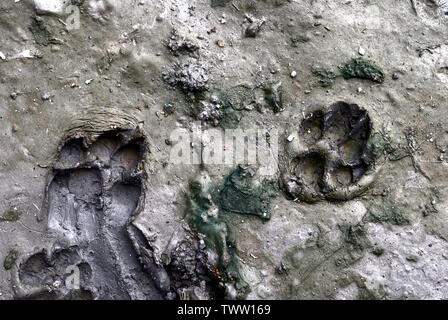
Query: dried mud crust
[[94, 192], [331, 155]]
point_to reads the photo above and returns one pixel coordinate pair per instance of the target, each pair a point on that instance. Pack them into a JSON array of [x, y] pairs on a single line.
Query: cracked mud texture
[[387, 240]]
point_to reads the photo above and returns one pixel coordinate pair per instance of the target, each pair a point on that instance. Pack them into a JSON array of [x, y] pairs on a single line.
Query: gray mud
[[355, 206]]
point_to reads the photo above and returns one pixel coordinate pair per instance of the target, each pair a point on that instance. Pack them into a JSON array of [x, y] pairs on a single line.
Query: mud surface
[[354, 92]]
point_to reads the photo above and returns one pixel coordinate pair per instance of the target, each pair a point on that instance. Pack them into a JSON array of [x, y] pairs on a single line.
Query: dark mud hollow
[[312, 127], [310, 170], [93, 195]]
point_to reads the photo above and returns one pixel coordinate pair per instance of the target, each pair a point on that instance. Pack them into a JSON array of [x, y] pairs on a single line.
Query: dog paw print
[[330, 155]]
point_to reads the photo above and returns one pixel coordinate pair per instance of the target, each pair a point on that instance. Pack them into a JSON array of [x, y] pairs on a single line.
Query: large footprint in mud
[[94, 192], [330, 156]]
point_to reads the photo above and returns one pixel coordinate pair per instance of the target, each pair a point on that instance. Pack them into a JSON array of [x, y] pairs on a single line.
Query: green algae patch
[[209, 211], [362, 69], [203, 219], [355, 243], [355, 68], [325, 77], [219, 3], [385, 213], [11, 215], [239, 195], [10, 259], [377, 145], [355, 236]]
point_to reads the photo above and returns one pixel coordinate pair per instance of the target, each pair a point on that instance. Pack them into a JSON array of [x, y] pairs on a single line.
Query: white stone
[[293, 74], [24, 55], [51, 6], [100, 8], [361, 51]]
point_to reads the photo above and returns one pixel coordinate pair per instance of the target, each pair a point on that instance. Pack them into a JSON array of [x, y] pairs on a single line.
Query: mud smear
[[92, 197], [210, 212]]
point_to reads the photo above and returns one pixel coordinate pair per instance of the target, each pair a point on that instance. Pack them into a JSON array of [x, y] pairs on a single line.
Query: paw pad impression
[[330, 155]]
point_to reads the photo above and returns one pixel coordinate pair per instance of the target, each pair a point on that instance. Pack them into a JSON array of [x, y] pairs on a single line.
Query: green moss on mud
[[219, 3], [355, 236], [11, 215], [325, 77], [355, 68], [236, 194], [384, 212], [378, 145], [363, 69], [10, 259], [216, 236]]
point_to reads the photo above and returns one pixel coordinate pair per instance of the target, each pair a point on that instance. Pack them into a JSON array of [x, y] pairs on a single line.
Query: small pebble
[[395, 76], [361, 51], [13, 96], [293, 74], [46, 96]]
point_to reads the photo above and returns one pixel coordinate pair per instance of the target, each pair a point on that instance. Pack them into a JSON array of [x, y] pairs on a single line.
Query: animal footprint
[[94, 191], [331, 157]]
